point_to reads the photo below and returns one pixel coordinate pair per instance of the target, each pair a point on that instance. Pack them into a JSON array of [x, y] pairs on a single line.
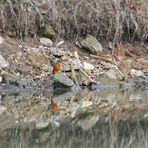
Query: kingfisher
[[53, 107], [56, 67]]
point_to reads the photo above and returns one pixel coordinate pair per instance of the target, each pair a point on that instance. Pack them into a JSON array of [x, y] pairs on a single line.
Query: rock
[[42, 124], [86, 104], [87, 122], [65, 58], [46, 42], [75, 55], [12, 79], [1, 40], [93, 85], [74, 109], [3, 62], [83, 80], [63, 95], [2, 109], [110, 45], [77, 64], [111, 74], [44, 137], [91, 44], [34, 50], [47, 31], [57, 52], [107, 82], [1, 78], [137, 82], [63, 79], [88, 66], [145, 115], [136, 73]]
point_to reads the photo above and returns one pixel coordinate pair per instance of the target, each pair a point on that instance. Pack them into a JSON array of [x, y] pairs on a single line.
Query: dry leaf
[[142, 61]]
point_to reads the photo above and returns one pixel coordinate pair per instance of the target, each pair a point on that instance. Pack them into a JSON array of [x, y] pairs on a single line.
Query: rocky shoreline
[[31, 93]]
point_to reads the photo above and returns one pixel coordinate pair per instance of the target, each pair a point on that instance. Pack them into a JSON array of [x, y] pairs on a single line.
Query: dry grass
[[105, 19]]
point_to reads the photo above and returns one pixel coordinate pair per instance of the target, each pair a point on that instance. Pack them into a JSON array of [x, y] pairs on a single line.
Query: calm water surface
[[88, 130]]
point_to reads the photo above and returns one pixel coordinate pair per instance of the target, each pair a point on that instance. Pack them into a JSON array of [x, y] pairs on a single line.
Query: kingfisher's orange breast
[[55, 108], [56, 68]]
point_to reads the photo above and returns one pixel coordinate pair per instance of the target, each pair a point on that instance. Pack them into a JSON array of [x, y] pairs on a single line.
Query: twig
[[83, 72], [101, 58]]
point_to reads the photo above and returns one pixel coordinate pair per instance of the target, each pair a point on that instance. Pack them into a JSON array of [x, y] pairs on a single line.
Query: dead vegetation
[[106, 19]]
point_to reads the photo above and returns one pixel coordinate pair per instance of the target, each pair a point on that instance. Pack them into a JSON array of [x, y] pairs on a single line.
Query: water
[[90, 128], [121, 135]]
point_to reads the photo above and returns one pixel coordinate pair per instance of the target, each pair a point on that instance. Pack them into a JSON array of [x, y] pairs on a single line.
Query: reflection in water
[[87, 130], [104, 135]]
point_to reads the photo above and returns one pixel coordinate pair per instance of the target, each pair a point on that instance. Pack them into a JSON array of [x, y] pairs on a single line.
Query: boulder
[[46, 42], [63, 79], [91, 44]]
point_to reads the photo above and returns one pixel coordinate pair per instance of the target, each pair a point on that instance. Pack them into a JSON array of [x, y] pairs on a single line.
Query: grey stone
[[63, 79], [1, 40], [1, 78], [46, 42], [92, 44], [88, 122], [3, 62], [58, 52], [2, 109], [111, 74], [25, 69], [65, 96], [136, 73], [42, 124], [35, 50], [12, 79], [76, 64], [74, 108]]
